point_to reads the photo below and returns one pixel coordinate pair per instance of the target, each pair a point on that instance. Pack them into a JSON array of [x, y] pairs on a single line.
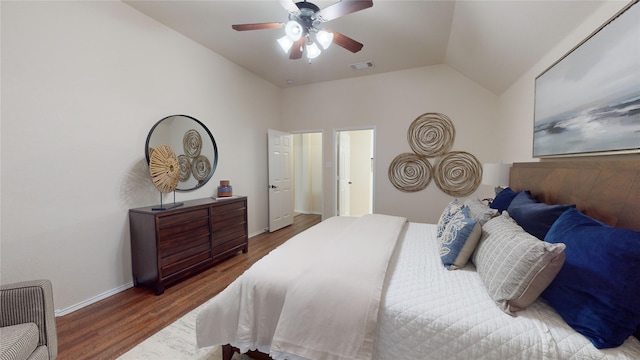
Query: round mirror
[[193, 144]]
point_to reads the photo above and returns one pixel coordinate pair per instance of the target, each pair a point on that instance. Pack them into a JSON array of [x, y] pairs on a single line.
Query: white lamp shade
[[312, 50], [325, 38], [293, 30], [285, 43], [495, 174]]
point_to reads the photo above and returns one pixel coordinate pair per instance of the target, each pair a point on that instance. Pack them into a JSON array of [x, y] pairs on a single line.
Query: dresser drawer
[[168, 227], [179, 220], [171, 238], [234, 210], [229, 233], [229, 245], [184, 264], [186, 241]]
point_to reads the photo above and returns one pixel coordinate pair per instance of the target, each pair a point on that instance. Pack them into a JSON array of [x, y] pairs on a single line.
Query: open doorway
[[307, 173], [355, 165]]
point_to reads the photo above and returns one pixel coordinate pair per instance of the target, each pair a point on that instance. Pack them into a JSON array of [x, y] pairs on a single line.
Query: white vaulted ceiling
[[491, 42]]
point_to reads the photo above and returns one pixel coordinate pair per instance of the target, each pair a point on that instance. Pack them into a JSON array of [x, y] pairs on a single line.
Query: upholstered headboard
[[607, 190]]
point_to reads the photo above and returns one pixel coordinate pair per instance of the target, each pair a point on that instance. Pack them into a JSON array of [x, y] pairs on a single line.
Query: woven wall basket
[[185, 167], [200, 167], [431, 134], [192, 143], [164, 169], [458, 173], [410, 172]]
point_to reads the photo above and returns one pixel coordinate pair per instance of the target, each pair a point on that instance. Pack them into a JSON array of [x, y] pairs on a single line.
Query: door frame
[[334, 177]]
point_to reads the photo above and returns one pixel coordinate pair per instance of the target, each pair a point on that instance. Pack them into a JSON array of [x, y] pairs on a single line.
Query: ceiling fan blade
[[296, 48], [259, 26], [346, 42], [343, 8], [289, 5]]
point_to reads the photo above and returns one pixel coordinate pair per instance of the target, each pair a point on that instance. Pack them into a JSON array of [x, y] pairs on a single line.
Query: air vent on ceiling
[[362, 65]]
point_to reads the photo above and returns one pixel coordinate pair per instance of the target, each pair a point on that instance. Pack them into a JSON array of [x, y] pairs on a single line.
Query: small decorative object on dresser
[[168, 246], [224, 190]]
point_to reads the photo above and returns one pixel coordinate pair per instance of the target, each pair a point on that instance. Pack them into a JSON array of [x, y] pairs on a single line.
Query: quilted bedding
[[428, 312]]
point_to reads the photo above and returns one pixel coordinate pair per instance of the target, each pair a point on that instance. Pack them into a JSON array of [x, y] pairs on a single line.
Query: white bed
[[424, 312]]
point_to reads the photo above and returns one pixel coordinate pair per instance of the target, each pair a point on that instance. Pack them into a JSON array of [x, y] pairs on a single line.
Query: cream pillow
[[514, 266]]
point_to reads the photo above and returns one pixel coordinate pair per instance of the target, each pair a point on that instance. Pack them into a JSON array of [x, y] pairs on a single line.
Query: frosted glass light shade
[[312, 50], [325, 38], [285, 43], [293, 30]]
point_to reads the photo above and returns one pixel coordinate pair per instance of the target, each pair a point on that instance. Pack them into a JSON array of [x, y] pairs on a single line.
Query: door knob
[[272, 187]]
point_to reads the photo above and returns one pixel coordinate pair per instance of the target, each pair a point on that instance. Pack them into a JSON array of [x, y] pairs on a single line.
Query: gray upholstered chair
[[27, 321]]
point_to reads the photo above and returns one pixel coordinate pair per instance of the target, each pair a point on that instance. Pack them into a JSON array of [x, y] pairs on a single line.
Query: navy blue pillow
[[597, 290], [503, 199], [535, 217]]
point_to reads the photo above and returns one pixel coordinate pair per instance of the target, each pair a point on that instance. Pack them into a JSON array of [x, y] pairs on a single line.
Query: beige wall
[[390, 102], [82, 84]]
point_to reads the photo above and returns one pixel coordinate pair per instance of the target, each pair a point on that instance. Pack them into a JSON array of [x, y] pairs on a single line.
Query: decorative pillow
[[480, 212], [597, 291], [503, 199], [451, 209], [459, 239], [535, 217], [514, 266]]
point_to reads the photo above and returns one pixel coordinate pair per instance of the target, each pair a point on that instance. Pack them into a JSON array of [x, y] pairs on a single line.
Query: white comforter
[[316, 297], [426, 311]]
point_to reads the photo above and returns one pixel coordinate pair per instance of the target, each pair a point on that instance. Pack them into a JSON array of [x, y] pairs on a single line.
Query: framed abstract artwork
[[588, 102]]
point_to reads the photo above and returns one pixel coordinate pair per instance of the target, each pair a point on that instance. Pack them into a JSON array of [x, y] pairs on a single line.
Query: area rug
[[177, 342]]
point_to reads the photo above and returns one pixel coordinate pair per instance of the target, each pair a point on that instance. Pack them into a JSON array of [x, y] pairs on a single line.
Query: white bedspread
[[316, 297], [426, 312]]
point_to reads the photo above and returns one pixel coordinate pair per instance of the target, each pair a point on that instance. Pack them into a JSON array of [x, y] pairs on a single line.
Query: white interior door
[[344, 174], [280, 148], [355, 163]]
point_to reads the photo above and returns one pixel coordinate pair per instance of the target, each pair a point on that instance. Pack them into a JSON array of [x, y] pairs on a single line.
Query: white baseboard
[[258, 232], [307, 212], [104, 295]]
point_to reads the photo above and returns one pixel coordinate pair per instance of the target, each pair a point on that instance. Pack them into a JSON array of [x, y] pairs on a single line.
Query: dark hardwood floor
[[110, 327]]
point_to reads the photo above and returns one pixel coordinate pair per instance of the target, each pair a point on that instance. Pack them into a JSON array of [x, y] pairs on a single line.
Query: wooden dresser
[[170, 245]]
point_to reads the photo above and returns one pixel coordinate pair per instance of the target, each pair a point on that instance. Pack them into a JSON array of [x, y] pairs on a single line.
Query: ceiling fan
[[302, 32]]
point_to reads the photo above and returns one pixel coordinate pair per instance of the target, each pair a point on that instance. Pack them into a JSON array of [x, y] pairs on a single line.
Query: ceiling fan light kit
[[302, 32], [325, 38], [293, 30], [313, 51], [285, 43]]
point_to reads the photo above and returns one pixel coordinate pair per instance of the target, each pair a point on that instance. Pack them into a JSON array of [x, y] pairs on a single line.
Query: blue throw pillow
[[503, 199], [449, 211], [535, 217], [459, 239], [597, 291]]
